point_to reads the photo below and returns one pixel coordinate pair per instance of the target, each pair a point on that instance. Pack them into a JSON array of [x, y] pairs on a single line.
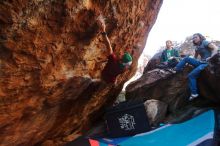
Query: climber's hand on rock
[[207, 59], [165, 63], [171, 58], [103, 27], [101, 22]]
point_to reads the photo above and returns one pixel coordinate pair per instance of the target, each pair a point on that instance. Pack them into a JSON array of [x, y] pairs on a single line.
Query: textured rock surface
[[156, 111], [152, 64], [209, 83], [49, 52], [173, 88], [162, 86]]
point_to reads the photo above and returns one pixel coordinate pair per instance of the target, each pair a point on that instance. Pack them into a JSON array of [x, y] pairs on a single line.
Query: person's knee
[[190, 76], [202, 67], [193, 75], [186, 59]]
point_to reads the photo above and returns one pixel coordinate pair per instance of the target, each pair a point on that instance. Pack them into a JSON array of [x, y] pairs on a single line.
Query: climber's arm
[[106, 39], [107, 42], [213, 48], [196, 55]]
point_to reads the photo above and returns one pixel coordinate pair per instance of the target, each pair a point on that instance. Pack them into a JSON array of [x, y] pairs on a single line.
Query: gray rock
[[156, 111]]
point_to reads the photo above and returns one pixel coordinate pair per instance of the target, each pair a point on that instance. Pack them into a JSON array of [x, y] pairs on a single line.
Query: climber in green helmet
[[116, 64]]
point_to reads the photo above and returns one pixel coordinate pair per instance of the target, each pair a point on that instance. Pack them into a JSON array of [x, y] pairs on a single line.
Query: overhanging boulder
[[50, 52]]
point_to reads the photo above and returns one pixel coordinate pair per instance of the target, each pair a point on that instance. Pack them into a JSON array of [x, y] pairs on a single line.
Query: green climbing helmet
[[126, 59]]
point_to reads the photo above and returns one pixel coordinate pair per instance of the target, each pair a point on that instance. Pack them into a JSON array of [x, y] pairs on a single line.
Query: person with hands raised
[[116, 64]]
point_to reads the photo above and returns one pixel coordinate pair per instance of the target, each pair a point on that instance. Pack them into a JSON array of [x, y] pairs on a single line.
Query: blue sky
[[178, 19]]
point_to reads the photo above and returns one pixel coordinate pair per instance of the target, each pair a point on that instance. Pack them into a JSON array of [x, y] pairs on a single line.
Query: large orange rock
[[50, 50]]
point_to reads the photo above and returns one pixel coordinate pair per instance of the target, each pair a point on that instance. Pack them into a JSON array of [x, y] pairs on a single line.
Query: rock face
[[152, 64], [209, 82], [161, 85], [50, 52], [173, 88], [156, 111]]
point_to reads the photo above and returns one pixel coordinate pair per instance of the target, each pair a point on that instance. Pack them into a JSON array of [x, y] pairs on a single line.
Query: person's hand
[[102, 22], [207, 59], [165, 63], [103, 27], [171, 58]]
